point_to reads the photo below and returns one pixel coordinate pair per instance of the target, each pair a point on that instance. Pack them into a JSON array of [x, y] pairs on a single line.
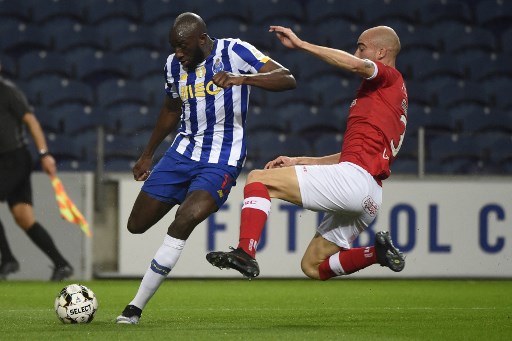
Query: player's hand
[[141, 170], [225, 79], [281, 161], [286, 36]]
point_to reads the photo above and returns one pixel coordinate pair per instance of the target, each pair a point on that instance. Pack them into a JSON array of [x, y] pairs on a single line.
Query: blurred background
[[93, 72]]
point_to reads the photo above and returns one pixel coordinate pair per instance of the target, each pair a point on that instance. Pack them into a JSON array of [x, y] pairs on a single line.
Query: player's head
[[379, 43], [189, 39]]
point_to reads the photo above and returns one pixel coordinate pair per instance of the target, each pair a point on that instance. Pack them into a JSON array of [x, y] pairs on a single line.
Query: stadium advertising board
[[446, 228]]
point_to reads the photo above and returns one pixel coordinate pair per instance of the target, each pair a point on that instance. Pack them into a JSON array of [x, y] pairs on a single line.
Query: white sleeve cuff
[[375, 70]]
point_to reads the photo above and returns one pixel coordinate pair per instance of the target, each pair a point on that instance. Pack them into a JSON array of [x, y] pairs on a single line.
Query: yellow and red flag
[[67, 208]]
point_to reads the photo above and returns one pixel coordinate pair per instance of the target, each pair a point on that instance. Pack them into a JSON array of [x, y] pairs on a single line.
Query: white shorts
[[347, 193]]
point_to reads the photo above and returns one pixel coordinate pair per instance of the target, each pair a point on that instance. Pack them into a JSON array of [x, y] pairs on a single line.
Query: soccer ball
[[76, 303]]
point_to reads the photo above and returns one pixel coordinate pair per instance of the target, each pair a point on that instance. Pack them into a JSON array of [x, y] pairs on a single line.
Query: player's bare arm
[[272, 76], [167, 121], [337, 58], [286, 161]]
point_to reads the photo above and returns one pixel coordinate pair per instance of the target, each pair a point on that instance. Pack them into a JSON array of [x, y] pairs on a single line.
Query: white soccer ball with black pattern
[[76, 303]]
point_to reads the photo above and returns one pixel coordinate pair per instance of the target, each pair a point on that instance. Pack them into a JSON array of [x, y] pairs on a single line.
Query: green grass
[[345, 309]]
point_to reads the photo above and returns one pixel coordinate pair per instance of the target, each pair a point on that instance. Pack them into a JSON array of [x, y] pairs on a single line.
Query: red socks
[[347, 261], [255, 211]]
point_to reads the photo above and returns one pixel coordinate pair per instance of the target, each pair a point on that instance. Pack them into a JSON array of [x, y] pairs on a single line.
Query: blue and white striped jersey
[[213, 119]]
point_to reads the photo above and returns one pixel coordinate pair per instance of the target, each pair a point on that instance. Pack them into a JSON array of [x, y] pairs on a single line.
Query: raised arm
[[337, 58]]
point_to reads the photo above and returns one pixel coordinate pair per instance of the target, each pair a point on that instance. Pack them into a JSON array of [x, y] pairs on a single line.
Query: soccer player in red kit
[[346, 186]]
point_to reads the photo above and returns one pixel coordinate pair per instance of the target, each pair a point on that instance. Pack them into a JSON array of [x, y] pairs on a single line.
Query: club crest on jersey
[[200, 72], [218, 66]]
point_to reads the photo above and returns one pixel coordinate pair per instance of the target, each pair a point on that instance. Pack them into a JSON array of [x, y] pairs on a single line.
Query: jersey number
[[394, 149]]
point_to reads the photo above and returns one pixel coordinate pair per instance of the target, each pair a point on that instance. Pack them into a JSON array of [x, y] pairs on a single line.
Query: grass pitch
[[347, 309]]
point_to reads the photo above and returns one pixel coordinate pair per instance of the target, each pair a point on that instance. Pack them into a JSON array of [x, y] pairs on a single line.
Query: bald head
[[379, 43], [189, 24], [189, 39], [384, 37]]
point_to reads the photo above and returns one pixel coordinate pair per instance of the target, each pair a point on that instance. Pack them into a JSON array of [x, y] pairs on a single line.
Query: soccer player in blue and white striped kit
[[208, 83]]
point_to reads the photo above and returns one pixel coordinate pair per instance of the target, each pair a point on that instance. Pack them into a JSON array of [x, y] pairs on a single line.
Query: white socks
[[163, 262]]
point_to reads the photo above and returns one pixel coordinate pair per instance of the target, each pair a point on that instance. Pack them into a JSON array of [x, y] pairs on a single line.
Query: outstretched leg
[[197, 206], [261, 185], [346, 262]]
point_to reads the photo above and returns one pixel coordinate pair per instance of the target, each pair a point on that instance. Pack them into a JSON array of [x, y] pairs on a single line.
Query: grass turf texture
[[346, 309]]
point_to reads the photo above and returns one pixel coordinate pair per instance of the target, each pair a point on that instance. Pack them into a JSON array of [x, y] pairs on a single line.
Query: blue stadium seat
[[43, 11], [455, 94], [456, 154], [68, 118], [334, 89], [414, 38], [327, 144], [376, 12], [494, 14], [113, 92], [506, 41], [40, 63], [418, 116], [492, 66], [74, 118], [227, 27], [79, 37], [312, 126], [121, 152], [128, 118], [121, 35], [318, 11], [164, 11], [259, 120], [69, 92], [266, 146], [155, 86], [458, 38], [67, 152], [14, 9], [34, 86], [9, 67], [338, 34], [436, 11], [498, 90], [432, 66], [290, 112], [260, 38], [221, 9], [100, 10], [96, 67], [144, 63], [267, 11], [23, 39], [418, 93]]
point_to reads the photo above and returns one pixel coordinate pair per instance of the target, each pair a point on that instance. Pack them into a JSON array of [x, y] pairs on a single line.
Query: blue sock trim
[[159, 269]]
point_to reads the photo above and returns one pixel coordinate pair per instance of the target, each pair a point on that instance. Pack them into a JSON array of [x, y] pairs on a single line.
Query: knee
[[254, 176], [310, 270], [134, 227]]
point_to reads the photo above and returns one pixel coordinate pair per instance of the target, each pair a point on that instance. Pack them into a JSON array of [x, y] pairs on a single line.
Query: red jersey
[[376, 122]]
